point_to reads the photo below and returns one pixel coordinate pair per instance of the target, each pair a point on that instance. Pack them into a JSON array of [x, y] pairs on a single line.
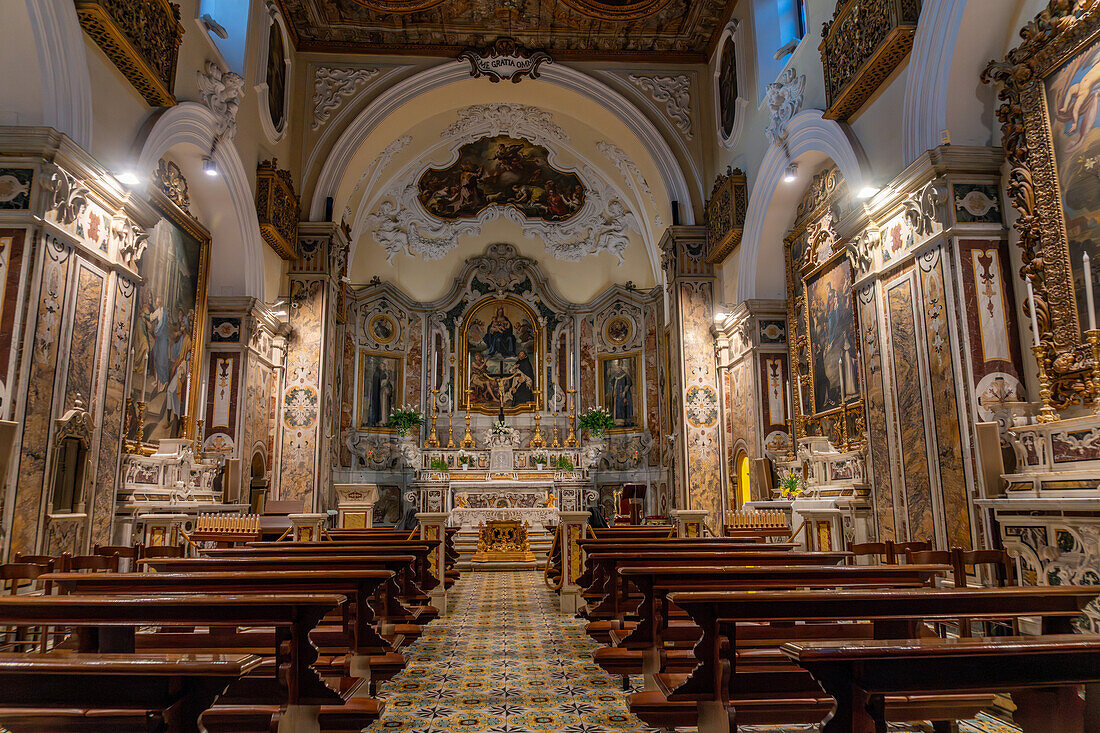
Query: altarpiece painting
[[620, 383], [380, 389], [501, 340]]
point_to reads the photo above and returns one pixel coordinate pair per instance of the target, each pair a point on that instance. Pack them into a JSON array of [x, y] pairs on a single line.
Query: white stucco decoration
[[333, 85], [400, 223], [783, 100], [628, 169], [221, 92], [674, 92]]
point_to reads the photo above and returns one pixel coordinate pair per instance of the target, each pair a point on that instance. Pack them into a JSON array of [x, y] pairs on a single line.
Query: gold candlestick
[[557, 442], [468, 438], [1046, 412], [536, 440], [1093, 335], [451, 429], [571, 438], [433, 439]]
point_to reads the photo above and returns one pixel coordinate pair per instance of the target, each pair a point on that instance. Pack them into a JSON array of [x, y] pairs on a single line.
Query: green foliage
[[597, 421], [438, 464], [563, 463], [404, 419]]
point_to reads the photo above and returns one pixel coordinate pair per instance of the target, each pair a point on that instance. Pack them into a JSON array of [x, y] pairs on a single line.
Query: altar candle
[[790, 404], [1034, 319], [1088, 292], [840, 366], [800, 408]]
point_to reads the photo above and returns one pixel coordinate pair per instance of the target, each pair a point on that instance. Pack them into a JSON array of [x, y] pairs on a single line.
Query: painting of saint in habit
[[276, 76], [502, 339], [727, 89], [832, 336], [164, 333], [1073, 103], [503, 171], [379, 388], [620, 388]]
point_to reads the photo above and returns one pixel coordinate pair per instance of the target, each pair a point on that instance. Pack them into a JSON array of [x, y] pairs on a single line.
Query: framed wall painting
[[500, 349], [620, 389], [830, 328], [168, 328], [381, 377], [1051, 135]]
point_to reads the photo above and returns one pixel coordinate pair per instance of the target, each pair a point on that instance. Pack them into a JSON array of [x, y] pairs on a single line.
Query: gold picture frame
[[183, 221], [366, 369], [637, 384], [476, 325], [1057, 36]]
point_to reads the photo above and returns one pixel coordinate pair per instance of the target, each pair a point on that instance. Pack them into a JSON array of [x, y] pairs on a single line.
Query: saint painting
[[1073, 103], [379, 389], [501, 339], [165, 333], [832, 336], [502, 171], [619, 385]]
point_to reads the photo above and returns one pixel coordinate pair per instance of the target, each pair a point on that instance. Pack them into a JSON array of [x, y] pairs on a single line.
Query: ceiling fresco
[[655, 30]]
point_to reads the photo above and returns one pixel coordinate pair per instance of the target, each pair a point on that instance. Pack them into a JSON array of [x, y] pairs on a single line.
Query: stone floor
[[505, 661]]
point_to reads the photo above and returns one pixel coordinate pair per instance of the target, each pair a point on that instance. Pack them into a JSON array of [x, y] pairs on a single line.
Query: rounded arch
[[343, 151], [53, 87], [810, 139], [954, 41], [237, 259]]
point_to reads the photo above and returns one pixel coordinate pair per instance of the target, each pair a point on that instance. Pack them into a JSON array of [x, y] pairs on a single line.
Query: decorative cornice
[[221, 92], [504, 59], [333, 85], [674, 92]]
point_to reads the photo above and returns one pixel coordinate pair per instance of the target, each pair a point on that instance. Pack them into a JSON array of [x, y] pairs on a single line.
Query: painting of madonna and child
[[1073, 104], [503, 171], [164, 333], [502, 339]]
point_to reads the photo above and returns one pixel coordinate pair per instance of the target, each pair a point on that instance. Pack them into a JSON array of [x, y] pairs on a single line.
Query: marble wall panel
[[945, 408], [84, 341], [223, 385], [114, 397], [703, 474], [652, 396], [774, 379], [910, 409], [12, 242], [347, 399], [586, 394], [414, 361], [38, 414], [877, 432], [299, 408]]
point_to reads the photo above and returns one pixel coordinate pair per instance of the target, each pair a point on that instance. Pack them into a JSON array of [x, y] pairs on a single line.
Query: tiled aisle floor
[[505, 661]]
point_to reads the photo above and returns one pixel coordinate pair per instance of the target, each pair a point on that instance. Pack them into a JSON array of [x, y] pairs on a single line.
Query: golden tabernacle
[[503, 541]]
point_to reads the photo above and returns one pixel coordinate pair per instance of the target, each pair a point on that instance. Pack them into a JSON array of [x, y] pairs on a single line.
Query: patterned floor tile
[[505, 661]]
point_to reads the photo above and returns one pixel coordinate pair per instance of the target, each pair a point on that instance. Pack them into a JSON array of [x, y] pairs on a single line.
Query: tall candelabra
[[557, 441], [571, 438], [433, 439], [451, 428], [1046, 412], [468, 438], [537, 440]]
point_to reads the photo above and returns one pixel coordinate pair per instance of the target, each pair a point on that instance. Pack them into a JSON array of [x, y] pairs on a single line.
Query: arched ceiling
[[613, 239]]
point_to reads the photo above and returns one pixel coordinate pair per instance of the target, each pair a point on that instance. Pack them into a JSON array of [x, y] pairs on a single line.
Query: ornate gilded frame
[[1059, 33], [639, 408], [168, 208], [398, 391], [464, 357]]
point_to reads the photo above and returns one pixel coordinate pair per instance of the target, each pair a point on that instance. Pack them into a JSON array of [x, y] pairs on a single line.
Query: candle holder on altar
[[557, 442], [537, 440], [571, 438], [467, 439], [433, 439], [1093, 335], [1047, 412], [793, 438], [451, 429]]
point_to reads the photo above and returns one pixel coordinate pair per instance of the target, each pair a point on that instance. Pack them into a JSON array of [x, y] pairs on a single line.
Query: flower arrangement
[[562, 463], [404, 419], [465, 459], [501, 429], [597, 421], [539, 459], [791, 486], [438, 464]]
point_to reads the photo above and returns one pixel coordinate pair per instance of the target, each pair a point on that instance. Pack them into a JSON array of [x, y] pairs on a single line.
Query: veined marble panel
[[300, 405], [84, 341], [652, 396], [114, 397], [413, 378], [12, 242], [347, 399], [702, 474], [945, 408], [38, 414], [886, 518], [910, 409], [587, 361], [223, 382]]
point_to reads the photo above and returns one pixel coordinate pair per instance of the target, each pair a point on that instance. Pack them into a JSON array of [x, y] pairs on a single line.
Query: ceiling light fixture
[[791, 174], [209, 166]]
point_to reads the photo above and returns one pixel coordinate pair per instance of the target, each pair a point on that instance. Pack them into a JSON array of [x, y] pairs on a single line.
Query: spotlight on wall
[[868, 192], [791, 174], [209, 166], [720, 316], [128, 178]]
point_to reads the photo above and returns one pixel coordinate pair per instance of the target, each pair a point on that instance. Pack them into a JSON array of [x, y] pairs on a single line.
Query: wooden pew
[[717, 688], [1043, 673], [113, 693], [644, 648], [653, 531], [667, 547]]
